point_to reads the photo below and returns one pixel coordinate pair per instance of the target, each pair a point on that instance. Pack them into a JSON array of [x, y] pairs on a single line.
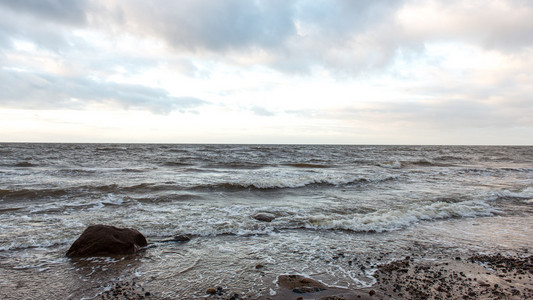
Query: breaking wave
[[270, 183]]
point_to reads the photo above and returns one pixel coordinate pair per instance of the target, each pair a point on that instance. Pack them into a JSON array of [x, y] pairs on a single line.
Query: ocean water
[[334, 206]]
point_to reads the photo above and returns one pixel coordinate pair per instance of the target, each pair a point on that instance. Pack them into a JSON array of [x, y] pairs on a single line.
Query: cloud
[[344, 36], [57, 11], [498, 25], [197, 25], [261, 111], [47, 91], [48, 25]]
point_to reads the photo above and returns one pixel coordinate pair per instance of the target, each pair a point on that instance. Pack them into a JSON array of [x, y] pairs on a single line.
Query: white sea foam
[[526, 193], [392, 219], [238, 220], [270, 180]]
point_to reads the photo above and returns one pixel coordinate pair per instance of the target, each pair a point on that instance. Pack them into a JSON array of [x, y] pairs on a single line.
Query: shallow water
[[336, 208]]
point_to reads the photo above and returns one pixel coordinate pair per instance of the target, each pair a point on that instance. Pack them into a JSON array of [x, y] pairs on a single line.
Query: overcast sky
[[245, 71]]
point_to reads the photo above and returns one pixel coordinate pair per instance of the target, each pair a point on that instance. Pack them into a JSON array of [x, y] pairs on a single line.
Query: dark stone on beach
[[300, 284], [264, 217], [372, 292], [211, 291], [259, 266], [181, 238], [104, 240]]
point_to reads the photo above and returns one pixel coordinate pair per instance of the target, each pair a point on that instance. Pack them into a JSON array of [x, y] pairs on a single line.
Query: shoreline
[[479, 276]]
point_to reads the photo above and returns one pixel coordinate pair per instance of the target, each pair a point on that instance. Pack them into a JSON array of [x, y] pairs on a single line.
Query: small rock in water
[[211, 291], [265, 217], [182, 238]]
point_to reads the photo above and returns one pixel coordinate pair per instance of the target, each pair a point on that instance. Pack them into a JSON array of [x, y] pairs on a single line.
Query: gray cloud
[[296, 35], [58, 11], [46, 91], [346, 36], [35, 28], [210, 25]]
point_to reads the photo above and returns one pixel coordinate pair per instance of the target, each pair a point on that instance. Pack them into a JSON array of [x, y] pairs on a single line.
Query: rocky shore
[[479, 276], [493, 276], [482, 276]]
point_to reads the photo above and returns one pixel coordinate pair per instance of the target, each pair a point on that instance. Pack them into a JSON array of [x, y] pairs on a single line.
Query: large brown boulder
[[104, 240]]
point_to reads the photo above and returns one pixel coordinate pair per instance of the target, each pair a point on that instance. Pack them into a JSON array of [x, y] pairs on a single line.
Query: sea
[[340, 210]]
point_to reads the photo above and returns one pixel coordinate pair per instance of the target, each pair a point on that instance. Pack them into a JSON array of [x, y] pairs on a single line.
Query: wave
[[391, 164], [170, 189], [111, 148], [32, 194], [450, 158], [423, 162], [271, 183], [8, 209], [237, 165], [307, 165], [238, 220], [167, 198], [389, 220], [522, 194], [52, 193], [91, 171], [493, 171], [22, 164], [175, 164]]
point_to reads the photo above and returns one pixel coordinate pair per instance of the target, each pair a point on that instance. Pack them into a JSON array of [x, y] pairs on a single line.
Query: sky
[[267, 71]]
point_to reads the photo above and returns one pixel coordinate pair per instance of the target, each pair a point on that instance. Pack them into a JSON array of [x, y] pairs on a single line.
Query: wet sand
[[494, 276]]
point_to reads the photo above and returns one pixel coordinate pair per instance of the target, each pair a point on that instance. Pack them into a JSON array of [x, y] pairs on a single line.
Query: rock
[[306, 289], [181, 238], [265, 217], [211, 291], [300, 284], [103, 240]]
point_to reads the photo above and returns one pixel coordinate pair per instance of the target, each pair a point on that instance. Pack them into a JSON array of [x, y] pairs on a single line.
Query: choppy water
[[323, 197]]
